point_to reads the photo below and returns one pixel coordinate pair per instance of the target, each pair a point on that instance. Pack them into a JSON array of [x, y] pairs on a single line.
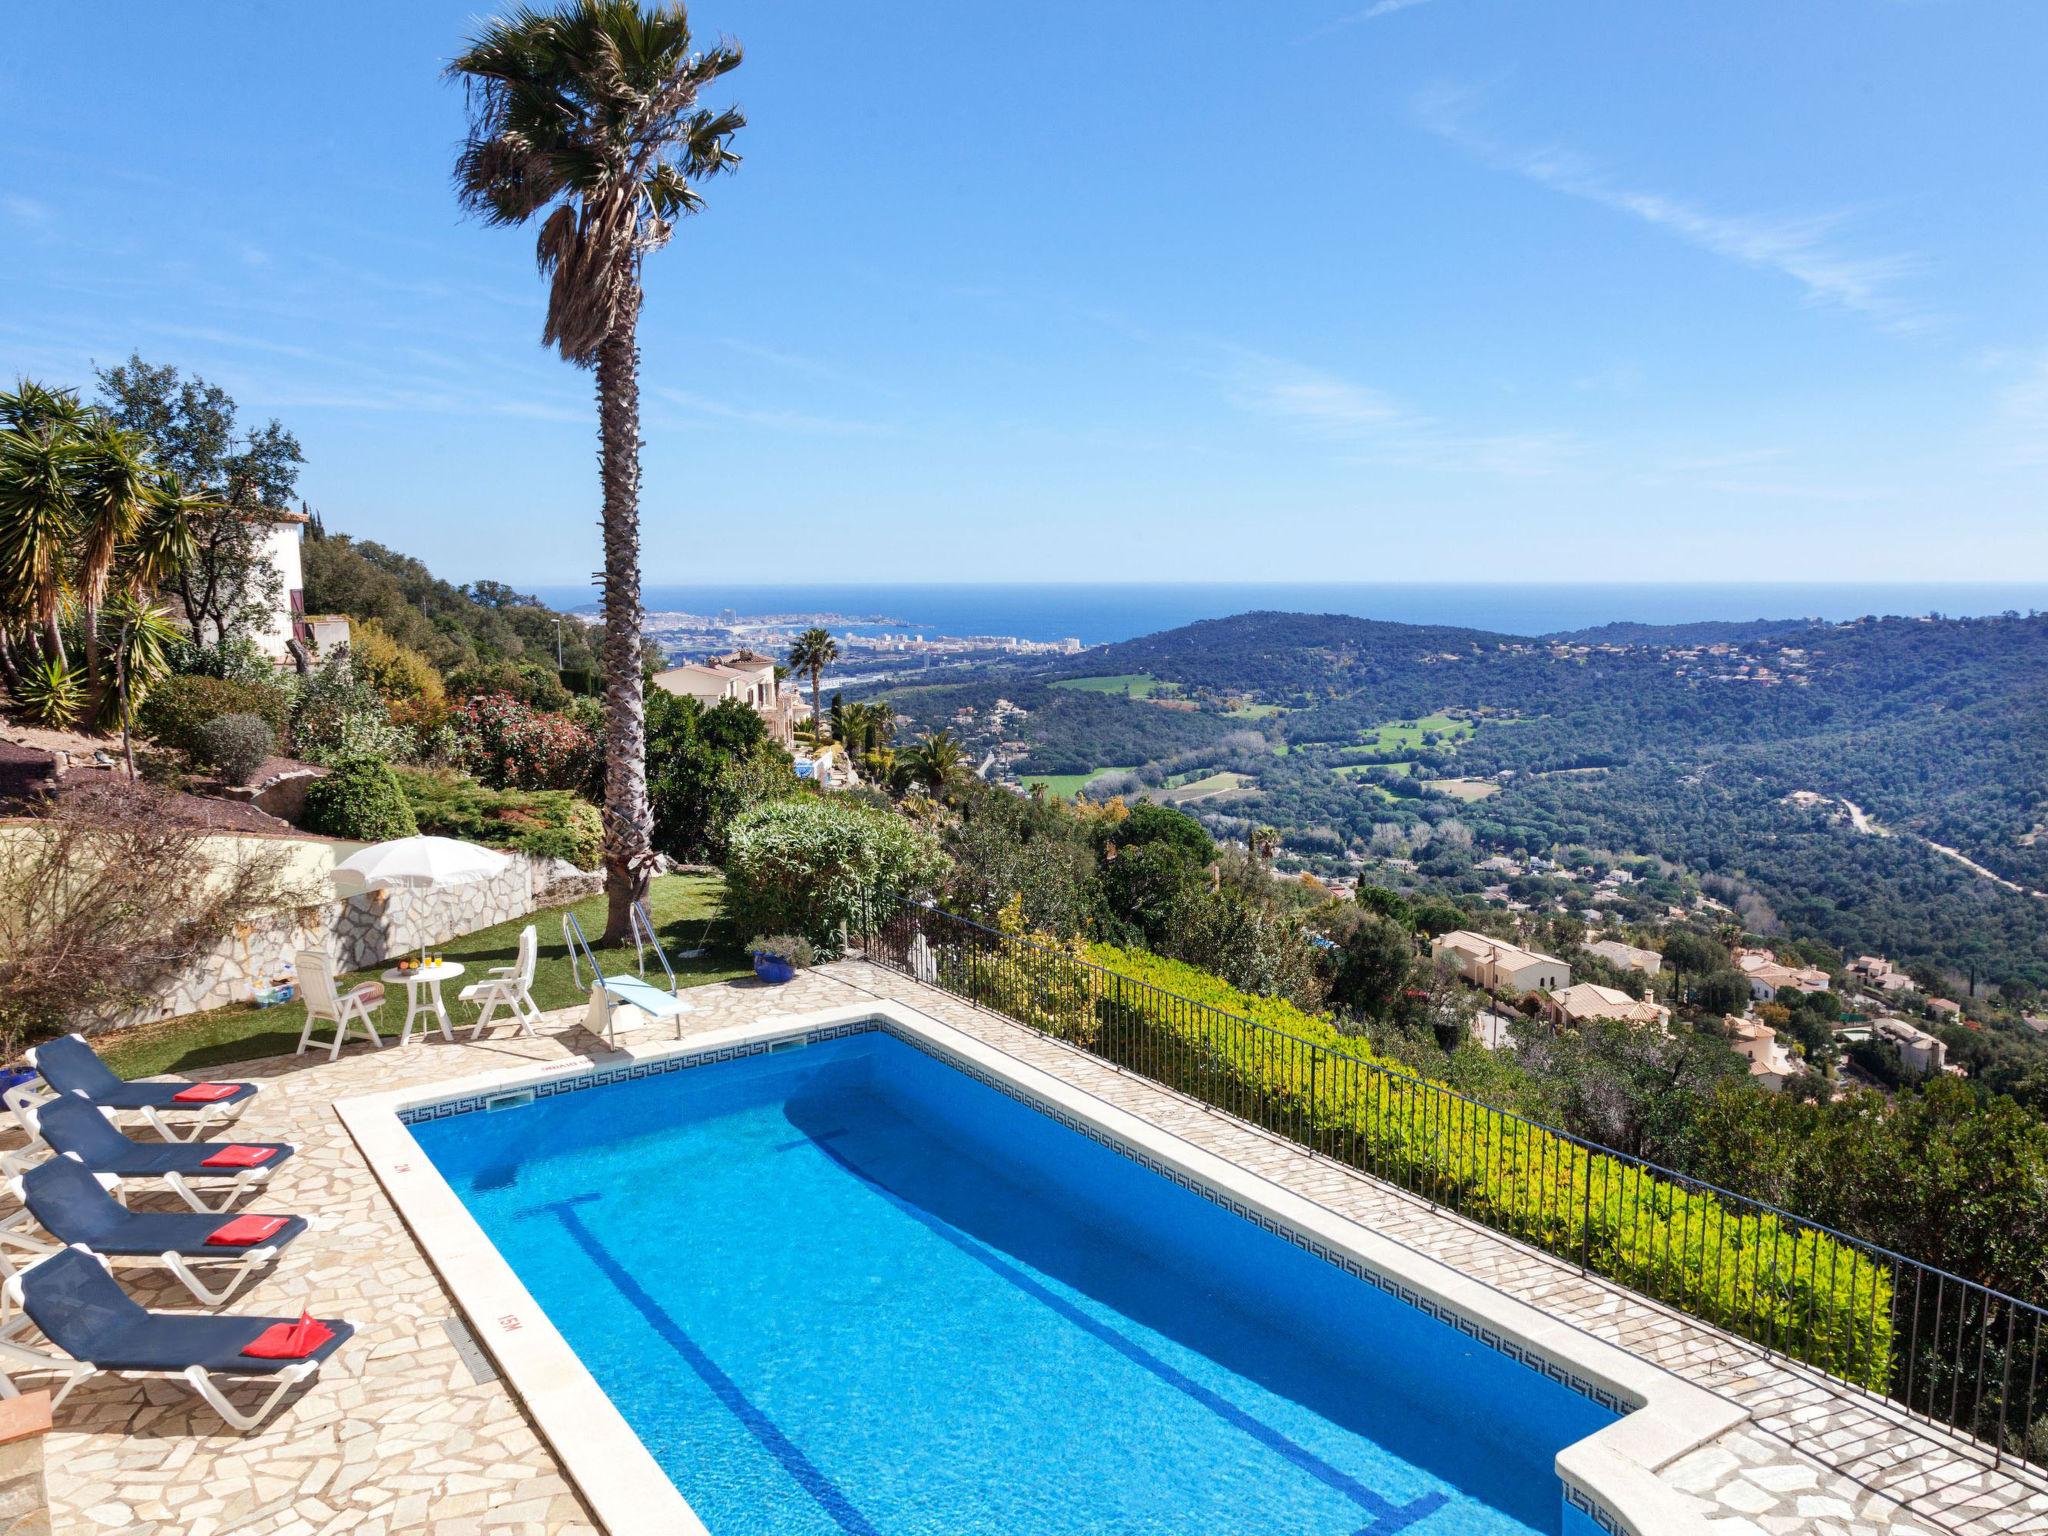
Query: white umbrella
[[419, 863]]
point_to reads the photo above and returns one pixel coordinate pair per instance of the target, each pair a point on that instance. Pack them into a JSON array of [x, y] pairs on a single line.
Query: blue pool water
[[847, 1289]]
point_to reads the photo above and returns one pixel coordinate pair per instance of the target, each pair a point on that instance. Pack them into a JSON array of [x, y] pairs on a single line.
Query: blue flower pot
[[16, 1079], [773, 971]]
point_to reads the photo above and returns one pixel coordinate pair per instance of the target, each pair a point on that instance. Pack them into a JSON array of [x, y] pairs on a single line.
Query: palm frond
[[588, 114]]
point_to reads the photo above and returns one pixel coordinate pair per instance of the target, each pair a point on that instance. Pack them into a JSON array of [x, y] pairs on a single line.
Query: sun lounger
[[70, 1124], [70, 1065], [76, 1305], [73, 1206]]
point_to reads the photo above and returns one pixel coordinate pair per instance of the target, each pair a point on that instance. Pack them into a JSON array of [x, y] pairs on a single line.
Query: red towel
[[245, 1231], [206, 1093], [235, 1155], [289, 1341]]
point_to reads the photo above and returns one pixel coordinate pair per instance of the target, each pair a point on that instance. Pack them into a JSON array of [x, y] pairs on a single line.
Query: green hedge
[[551, 823], [177, 709], [1808, 1295], [359, 799]]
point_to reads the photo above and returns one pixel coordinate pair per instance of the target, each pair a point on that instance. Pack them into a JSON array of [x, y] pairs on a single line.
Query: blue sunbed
[[70, 1065], [73, 1206], [77, 1306], [69, 1124]]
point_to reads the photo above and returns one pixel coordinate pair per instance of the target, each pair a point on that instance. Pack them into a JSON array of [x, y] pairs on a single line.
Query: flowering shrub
[[510, 745]]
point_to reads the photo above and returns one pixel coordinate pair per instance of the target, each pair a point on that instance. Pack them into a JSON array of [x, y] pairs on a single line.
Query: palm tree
[[1265, 843], [937, 760], [813, 651], [115, 492], [589, 114]]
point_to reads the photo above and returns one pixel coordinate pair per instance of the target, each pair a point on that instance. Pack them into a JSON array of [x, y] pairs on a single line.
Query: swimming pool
[[849, 1288]]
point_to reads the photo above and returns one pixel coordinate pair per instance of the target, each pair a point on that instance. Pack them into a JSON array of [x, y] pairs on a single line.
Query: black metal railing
[[1945, 1349]]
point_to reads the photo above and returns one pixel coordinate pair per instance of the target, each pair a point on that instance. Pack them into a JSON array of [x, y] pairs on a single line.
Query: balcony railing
[[1944, 1349]]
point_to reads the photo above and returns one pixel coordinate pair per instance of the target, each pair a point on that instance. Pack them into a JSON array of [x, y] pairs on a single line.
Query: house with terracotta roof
[[1499, 966], [1585, 1001], [1627, 956]]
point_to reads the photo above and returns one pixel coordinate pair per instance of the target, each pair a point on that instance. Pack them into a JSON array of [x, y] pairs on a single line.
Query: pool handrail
[[641, 922]]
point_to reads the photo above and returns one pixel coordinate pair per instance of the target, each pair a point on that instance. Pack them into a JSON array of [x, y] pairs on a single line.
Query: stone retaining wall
[[359, 933]]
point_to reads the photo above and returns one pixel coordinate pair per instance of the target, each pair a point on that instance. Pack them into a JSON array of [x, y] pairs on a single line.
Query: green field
[[1360, 770], [1409, 733], [1067, 785], [1207, 786], [1137, 685], [1255, 711], [688, 914], [1464, 789]]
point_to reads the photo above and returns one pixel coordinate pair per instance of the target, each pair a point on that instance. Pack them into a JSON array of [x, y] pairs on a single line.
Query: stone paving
[[397, 1436]]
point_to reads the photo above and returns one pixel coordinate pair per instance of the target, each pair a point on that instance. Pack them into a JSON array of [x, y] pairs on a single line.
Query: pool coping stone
[[1610, 1475]]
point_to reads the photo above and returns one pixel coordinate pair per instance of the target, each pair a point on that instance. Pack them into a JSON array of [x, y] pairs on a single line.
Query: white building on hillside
[[1770, 1063], [1627, 956], [743, 675], [1585, 1001], [1500, 966]]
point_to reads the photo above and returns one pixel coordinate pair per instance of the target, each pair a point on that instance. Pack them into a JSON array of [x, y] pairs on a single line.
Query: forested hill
[[1733, 750], [1313, 655]]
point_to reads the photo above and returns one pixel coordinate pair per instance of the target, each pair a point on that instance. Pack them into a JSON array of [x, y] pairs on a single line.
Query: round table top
[[440, 970]]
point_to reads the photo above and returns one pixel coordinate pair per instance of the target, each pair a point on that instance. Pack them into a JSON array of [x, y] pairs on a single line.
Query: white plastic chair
[[325, 1003], [508, 986]]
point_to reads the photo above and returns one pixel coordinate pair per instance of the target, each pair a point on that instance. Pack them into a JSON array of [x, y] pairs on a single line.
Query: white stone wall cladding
[[359, 932]]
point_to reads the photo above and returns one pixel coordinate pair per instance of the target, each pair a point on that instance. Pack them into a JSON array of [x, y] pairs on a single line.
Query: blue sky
[[1414, 289]]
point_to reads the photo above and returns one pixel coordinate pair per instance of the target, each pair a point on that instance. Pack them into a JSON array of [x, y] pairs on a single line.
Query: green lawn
[[687, 912], [1408, 733], [1067, 785], [1207, 786], [1139, 685], [1465, 789], [1359, 770]]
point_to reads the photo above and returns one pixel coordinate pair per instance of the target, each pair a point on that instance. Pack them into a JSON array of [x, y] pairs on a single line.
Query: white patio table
[[423, 997]]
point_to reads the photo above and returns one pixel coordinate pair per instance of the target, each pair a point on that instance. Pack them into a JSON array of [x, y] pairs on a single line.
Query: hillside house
[[1499, 966], [1768, 977], [1627, 956], [1770, 1062], [1945, 1010], [1919, 1052], [1585, 1001], [746, 676]]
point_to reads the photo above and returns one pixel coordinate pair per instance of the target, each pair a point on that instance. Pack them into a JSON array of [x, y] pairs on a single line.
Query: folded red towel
[[289, 1341], [244, 1231], [205, 1093], [235, 1155]]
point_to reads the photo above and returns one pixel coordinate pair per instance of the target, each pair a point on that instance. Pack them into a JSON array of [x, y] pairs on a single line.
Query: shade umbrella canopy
[[418, 862]]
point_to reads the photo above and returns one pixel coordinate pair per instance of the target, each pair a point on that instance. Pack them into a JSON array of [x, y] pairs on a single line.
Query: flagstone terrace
[[407, 1432]]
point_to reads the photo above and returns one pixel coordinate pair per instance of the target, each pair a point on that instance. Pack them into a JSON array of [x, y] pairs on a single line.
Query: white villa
[[1767, 977], [743, 675], [1500, 966], [1586, 1001], [1770, 1063], [1627, 956]]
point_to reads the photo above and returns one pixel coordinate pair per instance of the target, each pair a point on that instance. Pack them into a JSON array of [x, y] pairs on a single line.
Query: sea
[[1096, 613]]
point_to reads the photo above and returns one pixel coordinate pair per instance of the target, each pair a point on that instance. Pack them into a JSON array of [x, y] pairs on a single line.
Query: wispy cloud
[[773, 419], [1372, 12], [1365, 425], [1808, 248], [2021, 422], [26, 210]]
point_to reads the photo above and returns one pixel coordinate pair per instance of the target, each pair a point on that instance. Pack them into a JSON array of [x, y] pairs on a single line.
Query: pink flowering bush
[[510, 745]]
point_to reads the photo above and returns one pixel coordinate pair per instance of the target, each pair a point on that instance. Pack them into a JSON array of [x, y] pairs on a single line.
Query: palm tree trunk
[[817, 720], [628, 821]]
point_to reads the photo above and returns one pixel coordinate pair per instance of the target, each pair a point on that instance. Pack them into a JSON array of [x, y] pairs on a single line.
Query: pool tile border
[[1664, 1416]]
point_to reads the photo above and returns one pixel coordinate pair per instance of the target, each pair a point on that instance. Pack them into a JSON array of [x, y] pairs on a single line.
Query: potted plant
[[777, 956]]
